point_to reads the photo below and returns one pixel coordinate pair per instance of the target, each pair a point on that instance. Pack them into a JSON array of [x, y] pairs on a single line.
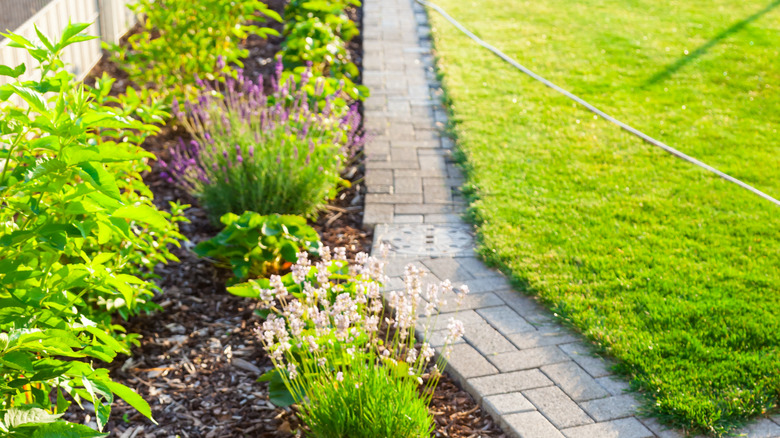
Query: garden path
[[535, 377]]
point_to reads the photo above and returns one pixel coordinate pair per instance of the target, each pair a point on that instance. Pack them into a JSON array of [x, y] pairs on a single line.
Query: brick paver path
[[535, 377]]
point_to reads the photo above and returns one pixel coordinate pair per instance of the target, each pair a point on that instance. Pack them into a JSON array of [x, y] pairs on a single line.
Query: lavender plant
[[274, 153], [324, 328]]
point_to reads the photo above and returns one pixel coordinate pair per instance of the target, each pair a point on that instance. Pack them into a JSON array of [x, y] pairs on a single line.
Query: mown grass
[[670, 269]]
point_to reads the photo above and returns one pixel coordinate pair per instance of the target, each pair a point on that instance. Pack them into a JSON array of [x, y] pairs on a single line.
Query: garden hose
[[595, 110]]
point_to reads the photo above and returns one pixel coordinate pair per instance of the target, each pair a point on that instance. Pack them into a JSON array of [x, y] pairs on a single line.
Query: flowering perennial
[[277, 153], [324, 320]]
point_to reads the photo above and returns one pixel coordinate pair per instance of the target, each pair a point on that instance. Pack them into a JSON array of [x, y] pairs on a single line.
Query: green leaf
[[16, 417], [32, 97], [246, 290], [131, 397], [18, 39], [72, 30], [43, 39], [19, 360], [12, 72], [97, 175], [142, 213], [62, 429], [290, 252]]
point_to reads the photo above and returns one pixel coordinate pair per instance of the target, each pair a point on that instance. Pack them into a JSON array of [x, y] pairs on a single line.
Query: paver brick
[[378, 214], [613, 384], [526, 359], [447, 218], [762, 428], [438, 338], [526, 306], [423, 208], [557, 407], [472, 301], [490, 284], [506, 382], [503, 404], [611, 408], [408, 185], [578, 384], [408, 219], [594, 365], [531, 425], [505, 320], [541, 338], [477, 268], [660, 430], [399, 198], [466, 362], [468, 318], [623, 428], [488, 340], [449, 268]]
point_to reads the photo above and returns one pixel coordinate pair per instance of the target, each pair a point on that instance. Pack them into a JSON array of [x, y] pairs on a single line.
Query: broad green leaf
[[32, 97], [244, 290], [13, 72], [142, 213], [16, 417], [131, 397], [97, 175], [63, 429]]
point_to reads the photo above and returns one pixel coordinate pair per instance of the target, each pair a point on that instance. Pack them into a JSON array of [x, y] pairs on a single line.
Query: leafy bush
[[269, 154], [254, 245], [78, 235], [182, 40], [316, 35], [323, 323]]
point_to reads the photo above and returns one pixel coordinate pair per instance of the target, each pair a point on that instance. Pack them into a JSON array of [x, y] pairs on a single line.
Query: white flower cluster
[[330, 314]]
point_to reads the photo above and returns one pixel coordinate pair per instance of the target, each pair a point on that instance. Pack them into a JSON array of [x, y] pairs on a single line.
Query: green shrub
[[254, 246], [269, 154], [183, 40], [316, 34], [79, 238]]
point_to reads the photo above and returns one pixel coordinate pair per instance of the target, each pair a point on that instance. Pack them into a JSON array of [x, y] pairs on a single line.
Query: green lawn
[[668, 268]]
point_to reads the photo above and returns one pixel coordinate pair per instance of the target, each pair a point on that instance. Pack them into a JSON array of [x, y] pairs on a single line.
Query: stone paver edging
[[536, 378]]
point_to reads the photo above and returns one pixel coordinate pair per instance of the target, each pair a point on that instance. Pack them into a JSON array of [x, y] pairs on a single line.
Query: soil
[[199, 358]]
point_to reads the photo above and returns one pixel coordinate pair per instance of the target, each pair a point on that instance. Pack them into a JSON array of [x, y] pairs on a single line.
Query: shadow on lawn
[[682, 62]]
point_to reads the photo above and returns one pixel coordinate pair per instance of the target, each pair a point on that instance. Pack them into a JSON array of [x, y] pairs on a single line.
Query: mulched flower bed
[[199, 358]]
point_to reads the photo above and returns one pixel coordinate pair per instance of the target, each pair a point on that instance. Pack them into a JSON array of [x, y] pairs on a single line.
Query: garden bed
[[199, 357]]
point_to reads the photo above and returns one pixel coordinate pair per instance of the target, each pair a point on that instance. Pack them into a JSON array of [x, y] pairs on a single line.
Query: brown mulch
[[199, 358]]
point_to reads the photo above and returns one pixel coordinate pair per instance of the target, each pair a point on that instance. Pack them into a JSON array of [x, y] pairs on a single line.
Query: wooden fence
[[110, 21]]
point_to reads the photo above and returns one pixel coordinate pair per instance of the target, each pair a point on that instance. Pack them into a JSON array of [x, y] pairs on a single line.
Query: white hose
[[595, 110]]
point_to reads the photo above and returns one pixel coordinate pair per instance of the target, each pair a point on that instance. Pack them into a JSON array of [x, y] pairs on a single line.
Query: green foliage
[[667, 268], [79, 239], [316, 34], [370, 401], [183, 40], [255, 246]]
